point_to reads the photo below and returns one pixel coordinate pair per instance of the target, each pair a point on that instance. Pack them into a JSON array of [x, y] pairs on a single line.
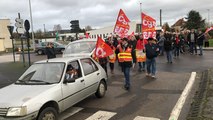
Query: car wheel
[[48, 113], [40, 52], [101, 90]]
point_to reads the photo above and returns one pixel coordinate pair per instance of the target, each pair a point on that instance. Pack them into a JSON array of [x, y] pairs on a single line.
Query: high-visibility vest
[[140, 55], [125, 56], [112, 58]]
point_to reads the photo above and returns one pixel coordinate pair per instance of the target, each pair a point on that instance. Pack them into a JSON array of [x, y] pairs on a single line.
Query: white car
[[84, 47], [43, 92]]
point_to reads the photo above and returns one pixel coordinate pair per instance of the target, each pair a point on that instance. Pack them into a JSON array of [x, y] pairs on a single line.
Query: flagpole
[[141, 16]]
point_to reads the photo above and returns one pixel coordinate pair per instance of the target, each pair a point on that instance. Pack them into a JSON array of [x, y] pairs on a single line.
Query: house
[[5, 41], [179, 25]]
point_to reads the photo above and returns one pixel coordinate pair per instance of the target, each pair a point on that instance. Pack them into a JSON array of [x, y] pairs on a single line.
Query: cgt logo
[[100, 52], [149, 24]]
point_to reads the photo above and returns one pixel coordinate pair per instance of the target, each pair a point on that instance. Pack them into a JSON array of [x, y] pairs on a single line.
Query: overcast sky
[[99, 13]]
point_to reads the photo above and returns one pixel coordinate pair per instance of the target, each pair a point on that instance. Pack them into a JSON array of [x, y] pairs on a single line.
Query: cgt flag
[[148, 26], [122, 24], [102, 49], [209, 29]]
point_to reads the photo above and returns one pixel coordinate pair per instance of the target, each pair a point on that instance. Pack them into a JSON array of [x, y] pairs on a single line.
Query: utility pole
[[45, 32], [208, 17], [31, 22], [141, 17], [161, 17]]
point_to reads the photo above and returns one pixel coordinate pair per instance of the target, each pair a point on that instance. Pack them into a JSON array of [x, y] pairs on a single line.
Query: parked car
[[83, 47], [41, 47], [42, 92]]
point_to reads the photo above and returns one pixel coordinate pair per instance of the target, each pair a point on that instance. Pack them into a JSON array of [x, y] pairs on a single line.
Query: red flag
[[122, 24], [148, 26], [209, 29], [102, 49]]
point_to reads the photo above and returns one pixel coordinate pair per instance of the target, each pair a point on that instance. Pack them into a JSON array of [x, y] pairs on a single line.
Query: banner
[[102, 49], [209, 29], [87, 35], [148, 26], [122, 24]]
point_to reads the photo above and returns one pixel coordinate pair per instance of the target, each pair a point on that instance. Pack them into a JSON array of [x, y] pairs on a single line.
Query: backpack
[[151, 50]]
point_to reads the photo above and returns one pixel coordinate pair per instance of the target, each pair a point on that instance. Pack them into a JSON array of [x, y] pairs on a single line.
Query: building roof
[[180, 22]]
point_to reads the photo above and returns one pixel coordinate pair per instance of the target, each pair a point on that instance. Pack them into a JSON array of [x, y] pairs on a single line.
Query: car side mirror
[[69, 80]]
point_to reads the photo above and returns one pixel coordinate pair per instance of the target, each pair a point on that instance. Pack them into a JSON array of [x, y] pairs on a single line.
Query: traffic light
[[75, 26]]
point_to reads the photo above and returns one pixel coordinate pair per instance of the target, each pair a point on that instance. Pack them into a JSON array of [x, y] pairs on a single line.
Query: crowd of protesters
[[134, 50]]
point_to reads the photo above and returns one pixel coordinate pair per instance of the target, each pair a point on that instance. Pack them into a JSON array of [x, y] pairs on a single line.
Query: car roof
[[83, 40], [64, 59]]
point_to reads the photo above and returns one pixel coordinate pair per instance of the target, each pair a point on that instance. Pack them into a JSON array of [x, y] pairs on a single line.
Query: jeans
[[151, 66], [127, 76], [169, 56], [141, 66], [201, 49], [193, 47], [176, 51]]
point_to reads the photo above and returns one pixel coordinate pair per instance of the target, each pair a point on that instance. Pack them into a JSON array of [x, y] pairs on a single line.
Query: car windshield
[[42, 73], [80, 47]]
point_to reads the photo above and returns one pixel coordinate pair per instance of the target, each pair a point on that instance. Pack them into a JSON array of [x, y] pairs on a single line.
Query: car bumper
[[31, 116]]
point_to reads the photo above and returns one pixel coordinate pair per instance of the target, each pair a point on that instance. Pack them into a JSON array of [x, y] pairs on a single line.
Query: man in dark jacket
[[200, 40], [50, 51], [168, 49], [152, 51]]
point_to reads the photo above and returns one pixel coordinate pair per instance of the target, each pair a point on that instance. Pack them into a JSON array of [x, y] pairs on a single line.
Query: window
[[88, 66], [76, 66]]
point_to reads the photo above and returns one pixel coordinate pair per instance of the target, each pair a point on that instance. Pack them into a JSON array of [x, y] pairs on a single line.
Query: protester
[[161, 43], [200, 40], [140, 47], [176, 41], [112, 58], [192, 38], [133, 43], [151, 53], [103, 62], [50, 51], [207, 37], [125, 59], [168, 49]]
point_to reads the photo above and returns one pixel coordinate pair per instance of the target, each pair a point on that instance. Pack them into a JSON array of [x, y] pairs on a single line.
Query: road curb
[[179, 105]]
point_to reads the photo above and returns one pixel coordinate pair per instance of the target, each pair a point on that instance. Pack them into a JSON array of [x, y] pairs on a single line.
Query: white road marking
[[101, 115], [179, 105], [145, 118], [69, 112]]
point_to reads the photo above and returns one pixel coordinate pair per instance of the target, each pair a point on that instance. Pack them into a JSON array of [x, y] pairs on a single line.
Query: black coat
[[167, 45], [200, 39], [50, 52]]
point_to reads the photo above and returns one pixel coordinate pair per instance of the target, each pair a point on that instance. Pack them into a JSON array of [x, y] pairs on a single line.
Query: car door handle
[[98, 73], [82, 80]]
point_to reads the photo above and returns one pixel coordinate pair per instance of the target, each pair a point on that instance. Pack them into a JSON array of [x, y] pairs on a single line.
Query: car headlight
[[17, 111]]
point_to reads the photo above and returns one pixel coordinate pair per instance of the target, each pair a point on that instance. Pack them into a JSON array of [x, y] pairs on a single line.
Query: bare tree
[[57, 27], [87, 28]]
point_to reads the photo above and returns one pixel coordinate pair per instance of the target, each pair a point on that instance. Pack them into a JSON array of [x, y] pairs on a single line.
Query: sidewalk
[[8, 57], [202, 105]]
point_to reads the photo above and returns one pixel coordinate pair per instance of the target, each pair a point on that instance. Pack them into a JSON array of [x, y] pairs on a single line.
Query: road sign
[[19, 25], [10, 28]]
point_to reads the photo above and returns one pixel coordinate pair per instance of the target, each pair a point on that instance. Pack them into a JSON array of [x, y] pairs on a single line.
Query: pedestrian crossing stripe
[[145, 118], [101, 115], [66, 114]]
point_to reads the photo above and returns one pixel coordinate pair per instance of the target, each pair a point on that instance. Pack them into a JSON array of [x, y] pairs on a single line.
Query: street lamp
[[31, 22]]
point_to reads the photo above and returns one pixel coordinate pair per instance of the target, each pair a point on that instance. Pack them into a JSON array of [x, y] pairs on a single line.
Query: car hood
[[17, 95]]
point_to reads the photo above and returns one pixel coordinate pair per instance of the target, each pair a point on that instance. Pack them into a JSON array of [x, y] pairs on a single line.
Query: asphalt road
[[148, 97]]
